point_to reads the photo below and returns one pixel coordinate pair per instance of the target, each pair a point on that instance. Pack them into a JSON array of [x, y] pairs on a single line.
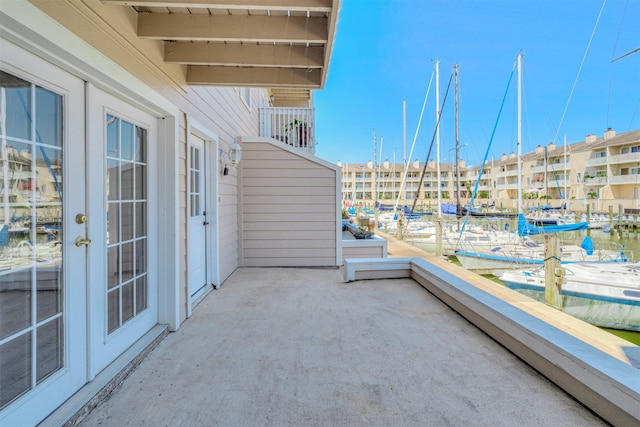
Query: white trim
[[212, 177], [168, 222]]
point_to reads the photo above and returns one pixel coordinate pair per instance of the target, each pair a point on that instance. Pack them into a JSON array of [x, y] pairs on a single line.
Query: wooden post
[[551, 267], [611, 220], [619, 226], [438, 237], [399, 228]]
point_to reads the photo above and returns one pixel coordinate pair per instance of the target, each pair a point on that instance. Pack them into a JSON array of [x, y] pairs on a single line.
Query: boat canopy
[[527, 229]]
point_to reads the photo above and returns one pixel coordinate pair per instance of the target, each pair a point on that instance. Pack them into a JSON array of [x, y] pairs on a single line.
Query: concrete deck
[[279, 347]]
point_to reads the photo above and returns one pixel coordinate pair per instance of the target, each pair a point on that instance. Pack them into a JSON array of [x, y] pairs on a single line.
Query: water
[[627, 242]]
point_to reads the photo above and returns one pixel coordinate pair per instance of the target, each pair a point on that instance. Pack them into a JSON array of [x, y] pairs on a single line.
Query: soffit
[[279, 44]]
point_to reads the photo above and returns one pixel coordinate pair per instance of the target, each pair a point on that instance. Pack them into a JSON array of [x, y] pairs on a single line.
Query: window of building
[[245, 95]]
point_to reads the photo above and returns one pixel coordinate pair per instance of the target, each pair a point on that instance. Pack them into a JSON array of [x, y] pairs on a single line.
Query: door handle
[[205, 223], [82, 241]]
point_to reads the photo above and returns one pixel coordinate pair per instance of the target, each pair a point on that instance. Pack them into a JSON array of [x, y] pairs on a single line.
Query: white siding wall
[[289, 210]]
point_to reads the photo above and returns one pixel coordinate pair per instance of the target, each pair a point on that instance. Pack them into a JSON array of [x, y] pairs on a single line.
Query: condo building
[[597, 172]]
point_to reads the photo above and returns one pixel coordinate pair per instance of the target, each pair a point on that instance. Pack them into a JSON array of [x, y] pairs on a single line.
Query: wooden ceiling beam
[[282, 5], [235, 54], [253, 76], [175, 26]]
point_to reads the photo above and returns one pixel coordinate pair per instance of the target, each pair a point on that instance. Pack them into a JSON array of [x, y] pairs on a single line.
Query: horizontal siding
[[306, 200], [283, 174], [362, 252], [288, 217], [289, 190], [277, 182], [296, 209], [290, 253], [297, 226], [287, 244], [288, 235], [290, 262], [289, 208]]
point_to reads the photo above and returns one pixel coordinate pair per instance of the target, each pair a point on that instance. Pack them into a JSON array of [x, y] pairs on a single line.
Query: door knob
[[82, 241]]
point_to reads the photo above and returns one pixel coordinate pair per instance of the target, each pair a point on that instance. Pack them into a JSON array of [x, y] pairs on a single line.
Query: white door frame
[[212, 205], [104, 347]]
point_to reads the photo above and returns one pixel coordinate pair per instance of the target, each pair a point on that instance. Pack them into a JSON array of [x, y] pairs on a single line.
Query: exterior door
[[198, 223], [123, 291], [42, 272]]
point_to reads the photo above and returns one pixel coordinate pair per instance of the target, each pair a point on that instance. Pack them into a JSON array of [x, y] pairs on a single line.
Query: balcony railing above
[[292, 126], [596, 161], [625, 158], [625, 179], [595, 181]]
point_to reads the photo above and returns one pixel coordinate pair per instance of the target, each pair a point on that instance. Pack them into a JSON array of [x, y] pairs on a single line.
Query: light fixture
[[235, 154], [222, 159]]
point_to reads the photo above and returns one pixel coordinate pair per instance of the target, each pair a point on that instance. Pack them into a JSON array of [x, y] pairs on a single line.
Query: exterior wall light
[[235, 154]]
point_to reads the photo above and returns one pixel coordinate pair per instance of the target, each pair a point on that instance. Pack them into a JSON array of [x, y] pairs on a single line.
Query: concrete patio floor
[[282, 347]]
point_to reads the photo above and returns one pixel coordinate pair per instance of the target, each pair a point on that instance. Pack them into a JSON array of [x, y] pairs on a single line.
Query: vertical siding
[[289, 208]]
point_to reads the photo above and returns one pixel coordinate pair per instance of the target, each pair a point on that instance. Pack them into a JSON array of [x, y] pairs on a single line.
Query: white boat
[[605, 295], [599, 221], [471, 239], [530, 254]]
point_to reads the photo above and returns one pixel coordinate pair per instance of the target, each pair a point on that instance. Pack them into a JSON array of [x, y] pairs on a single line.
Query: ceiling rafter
[[275, 44], [262, 55], [270, 5], [176, 26]]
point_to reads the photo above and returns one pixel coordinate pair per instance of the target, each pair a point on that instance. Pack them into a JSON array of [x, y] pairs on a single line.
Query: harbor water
[[627, 242]]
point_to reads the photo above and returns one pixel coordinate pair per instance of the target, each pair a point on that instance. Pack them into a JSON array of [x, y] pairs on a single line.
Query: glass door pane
[[126, 183], [31, 287]]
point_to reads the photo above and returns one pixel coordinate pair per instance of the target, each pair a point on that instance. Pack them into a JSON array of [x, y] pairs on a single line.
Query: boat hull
[[609, 299]]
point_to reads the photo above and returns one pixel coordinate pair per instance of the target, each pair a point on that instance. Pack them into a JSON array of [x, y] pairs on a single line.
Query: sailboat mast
[[566, 177], [519, 62], [439, 188], [375, 170], [404, 133], [457, 168]]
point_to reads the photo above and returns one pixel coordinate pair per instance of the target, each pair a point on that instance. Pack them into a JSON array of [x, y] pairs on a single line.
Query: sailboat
[[453, 236], [606, 295], [526, 252]]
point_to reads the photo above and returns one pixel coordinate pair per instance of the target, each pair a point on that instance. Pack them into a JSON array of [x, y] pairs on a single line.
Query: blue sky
[[384, 54]]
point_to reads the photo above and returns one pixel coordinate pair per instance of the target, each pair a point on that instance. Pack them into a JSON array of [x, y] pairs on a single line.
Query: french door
[[77, 233], [121, 158], [43, 276]]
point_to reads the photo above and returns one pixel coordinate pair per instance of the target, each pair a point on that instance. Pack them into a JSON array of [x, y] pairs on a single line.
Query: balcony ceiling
[[253, 43]]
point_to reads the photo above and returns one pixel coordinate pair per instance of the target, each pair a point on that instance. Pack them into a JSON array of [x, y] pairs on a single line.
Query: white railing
[[596, 161], [598, 180], [625, 179], [292, 126], [625, 158]]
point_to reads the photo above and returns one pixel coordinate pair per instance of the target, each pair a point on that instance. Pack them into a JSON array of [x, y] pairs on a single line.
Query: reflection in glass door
[[126, 221], [31, 287]]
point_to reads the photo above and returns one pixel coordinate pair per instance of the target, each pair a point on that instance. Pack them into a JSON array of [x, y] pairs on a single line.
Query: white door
[[198, 222], [42, 272], [122, 226]]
